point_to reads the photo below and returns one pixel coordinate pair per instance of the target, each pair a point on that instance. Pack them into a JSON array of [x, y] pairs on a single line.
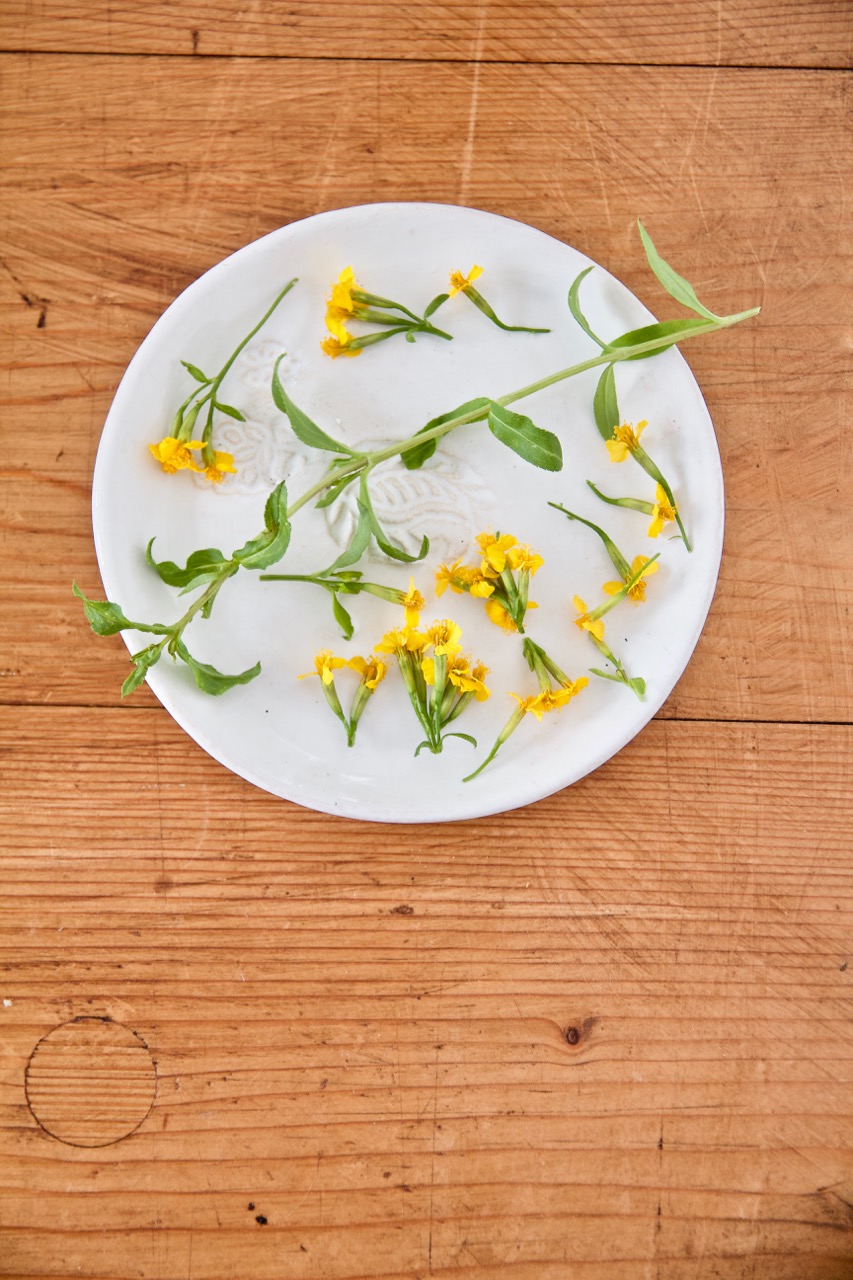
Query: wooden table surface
[[604, 1036]]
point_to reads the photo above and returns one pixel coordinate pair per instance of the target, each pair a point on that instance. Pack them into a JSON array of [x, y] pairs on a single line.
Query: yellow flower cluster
[[177, 455], [501, 579], [340, 308], [372, 672]]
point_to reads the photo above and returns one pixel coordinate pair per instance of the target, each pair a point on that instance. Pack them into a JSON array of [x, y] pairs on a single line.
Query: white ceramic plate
[[277, 731]]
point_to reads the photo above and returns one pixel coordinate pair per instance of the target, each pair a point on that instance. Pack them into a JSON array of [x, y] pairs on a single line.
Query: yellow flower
[[554, 699], [662, 512], [325, 664], [176, 455], [412, 602], [402, 639], [637, 593], [594, 626], [335, 346], [495, 550], [625, 440], [499, 616], [341, 299], [524, 558], [459, 283], [459, 577], [372, 670], [444, 636], [481, 588], [223, 464]]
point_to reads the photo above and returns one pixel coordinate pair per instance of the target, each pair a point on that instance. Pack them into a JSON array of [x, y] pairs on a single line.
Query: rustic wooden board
[[359, 1033], [739, 176], [802, 33]]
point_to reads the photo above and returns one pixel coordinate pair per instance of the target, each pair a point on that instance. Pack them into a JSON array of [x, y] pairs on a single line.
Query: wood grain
[[365, 1038], [739, 178], [802, 33]]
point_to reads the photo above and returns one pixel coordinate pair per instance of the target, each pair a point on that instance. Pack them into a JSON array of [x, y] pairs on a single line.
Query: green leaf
[[673, 329], [676, 286], [575, 306], [620, 564], [334, 492], [632, 504], [142, 664], [342, 618], [202, 566], [605, 405], [435, 304], [104, 617], [303, 428], [466, 736], [268, 547], [196, 372], [208, 679], [358, 543], [229, 410], [480, 303], [415, 457], [532, 443], [387, 548]]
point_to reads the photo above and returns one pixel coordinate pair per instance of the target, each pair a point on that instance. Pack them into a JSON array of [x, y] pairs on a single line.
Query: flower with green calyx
[[556, 689], [636, 573], [348, 302], [501, 580], [440, 683], [465, 284], [372, 672], [175, 452], [590, 621], [624, 443], [662, 511]]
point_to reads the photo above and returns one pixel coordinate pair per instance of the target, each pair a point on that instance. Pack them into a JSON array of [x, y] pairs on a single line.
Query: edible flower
[[460, 283], [641, 568], [625, 440]]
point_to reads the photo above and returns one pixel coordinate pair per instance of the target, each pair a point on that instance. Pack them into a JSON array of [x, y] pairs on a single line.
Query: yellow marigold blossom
[[444, 636], [223, 464], [459, 283], [499, 616], [176, 455], [325, 664], [335, 347], [481, 587], [459, 577], [637, 593], [625, 440], [662, 512], [402, 638], [554, 699], [524, 558], [342, 299], [595, 626], [372, 670], [495, 550], [412, 602]]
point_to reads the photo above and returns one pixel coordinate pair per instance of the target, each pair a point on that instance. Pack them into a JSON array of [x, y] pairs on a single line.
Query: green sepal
[[208, 679], [605, 405], [415, 457], [142, 661], [195, 372], [342, 618], [229, 411], [269, 546], [676, 286], [532, 443], [104, 617], [673, 329], [302, 426], [575, 306], [202, 566]]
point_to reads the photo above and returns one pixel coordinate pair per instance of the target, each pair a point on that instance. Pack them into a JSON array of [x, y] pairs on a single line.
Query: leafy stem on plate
[[210, 569]]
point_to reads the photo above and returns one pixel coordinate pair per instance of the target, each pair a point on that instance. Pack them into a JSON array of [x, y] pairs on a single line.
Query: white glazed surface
[[277, 732]]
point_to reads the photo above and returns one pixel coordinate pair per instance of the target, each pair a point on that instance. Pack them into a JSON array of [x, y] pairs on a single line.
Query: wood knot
[[90, 1082]]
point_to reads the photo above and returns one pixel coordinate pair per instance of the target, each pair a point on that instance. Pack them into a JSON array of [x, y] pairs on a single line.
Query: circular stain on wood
[[90, 1082]]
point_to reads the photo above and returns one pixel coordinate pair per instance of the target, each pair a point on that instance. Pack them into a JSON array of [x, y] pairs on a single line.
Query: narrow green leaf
[[466, 736], [142, 664], [229, 410], [303, 428], [342, 618], [605, 405], [435, 304], [194, 370], [480, 303], [387, 548], [202, 566], [532, 443], [575, 306], [676, 286], [415, 457], [104, 617], [620, 564], [268, 547], [673, 329], [632, 504], [334, 492], [358, 543], [208, 679]]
